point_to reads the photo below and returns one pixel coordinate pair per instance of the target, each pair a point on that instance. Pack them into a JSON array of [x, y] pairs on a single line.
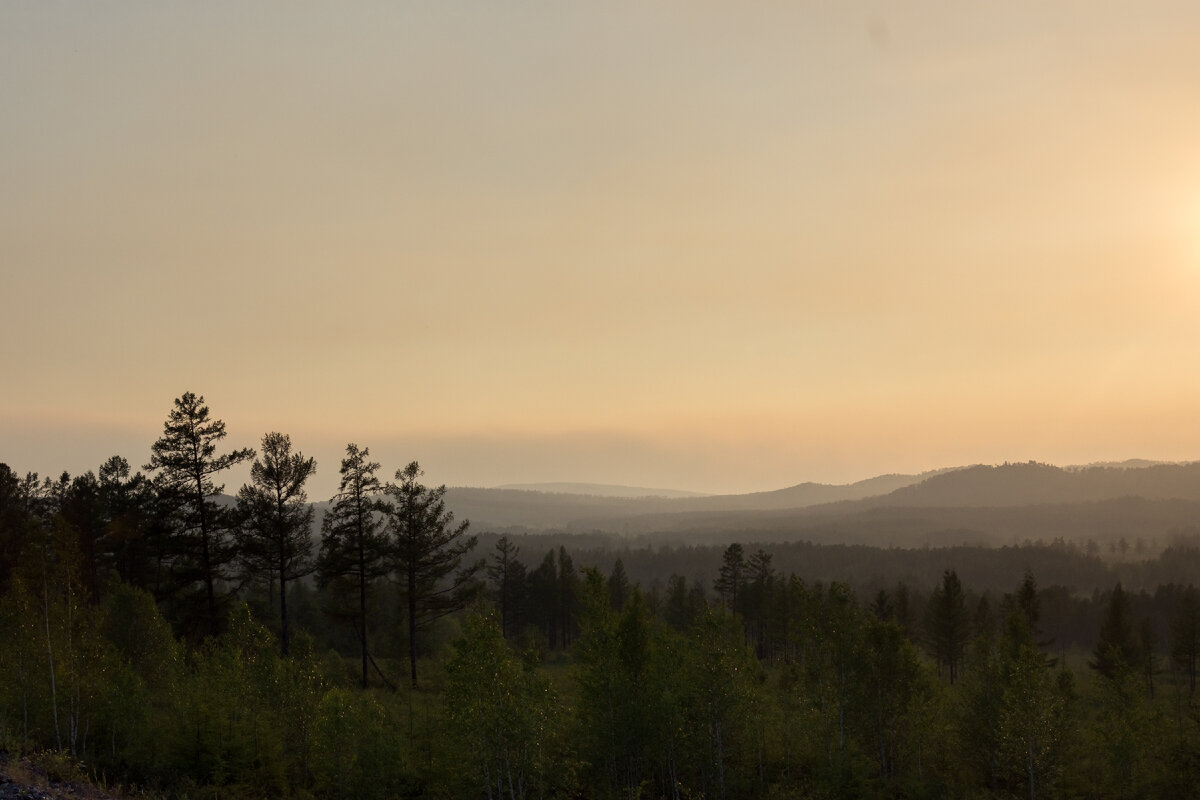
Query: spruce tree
[[544, 598], [618, 586], [947, 624], [1117, 650]]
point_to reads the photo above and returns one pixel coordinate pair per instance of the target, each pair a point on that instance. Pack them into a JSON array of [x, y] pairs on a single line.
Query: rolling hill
[[979, 504]]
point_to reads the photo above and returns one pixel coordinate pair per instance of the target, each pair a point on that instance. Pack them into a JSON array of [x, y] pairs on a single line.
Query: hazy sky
[[704, 245]]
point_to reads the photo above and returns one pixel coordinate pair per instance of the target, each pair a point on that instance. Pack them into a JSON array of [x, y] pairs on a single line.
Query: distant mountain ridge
[[1033, 483], [977, 503], [980, 504], [599, 490], [534, 509]]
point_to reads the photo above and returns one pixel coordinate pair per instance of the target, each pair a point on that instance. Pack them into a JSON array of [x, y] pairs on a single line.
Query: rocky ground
[[24, 780]]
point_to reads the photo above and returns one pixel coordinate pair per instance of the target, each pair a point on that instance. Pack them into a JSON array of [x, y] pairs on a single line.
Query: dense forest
[[163, 635]]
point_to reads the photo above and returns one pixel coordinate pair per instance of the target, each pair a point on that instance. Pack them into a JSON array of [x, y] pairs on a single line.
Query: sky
[[721, 247]]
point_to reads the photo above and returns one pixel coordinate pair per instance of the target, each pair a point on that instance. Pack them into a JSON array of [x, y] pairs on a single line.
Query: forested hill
[[1032, 483], [507, 507], [600, 489], [975, 505]]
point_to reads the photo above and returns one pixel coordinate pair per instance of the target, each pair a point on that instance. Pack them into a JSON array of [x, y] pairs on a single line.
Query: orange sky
[[687, 245]]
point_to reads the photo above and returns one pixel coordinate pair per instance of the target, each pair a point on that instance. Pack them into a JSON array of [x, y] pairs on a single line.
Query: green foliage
[[357, 750], [1014, 715], [1117, 650], [22, 669], [507, 573], [1185, 635], [730, 579], [786, 689], [718, 690], [57, 766], [947, 626], [501, 714], [244, 717]]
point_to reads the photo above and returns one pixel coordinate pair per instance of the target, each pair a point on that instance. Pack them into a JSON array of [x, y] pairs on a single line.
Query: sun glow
[[1189, 228]]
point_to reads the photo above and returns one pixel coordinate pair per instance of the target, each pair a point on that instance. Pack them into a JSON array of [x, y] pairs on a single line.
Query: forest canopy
[[165, 635]]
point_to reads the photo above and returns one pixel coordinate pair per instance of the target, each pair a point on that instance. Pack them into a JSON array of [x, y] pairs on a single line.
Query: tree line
[[169, 532], [162, 636]]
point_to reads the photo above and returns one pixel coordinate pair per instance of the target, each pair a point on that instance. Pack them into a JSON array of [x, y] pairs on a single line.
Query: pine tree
[[730, 579], [568, 598], [1185, 635], [947, 624], [677, 611], [1117, 649], [186, 462], [427, 551], [128, 501], [618, 587], [544, 599], [17, 502], [756, 600], [275, 535], [353, 548], [508, 575]]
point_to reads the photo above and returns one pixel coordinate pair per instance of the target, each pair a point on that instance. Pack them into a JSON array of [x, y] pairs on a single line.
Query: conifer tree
[[544, 598], [730, 579], [618, 586], [1117, 649], [947, 624], [568, 597], [16, 516], [1185, 635], [185, 463], [128, 532], [677, 610], [427, 552], [275, 537], [508, 575], [353, 547]]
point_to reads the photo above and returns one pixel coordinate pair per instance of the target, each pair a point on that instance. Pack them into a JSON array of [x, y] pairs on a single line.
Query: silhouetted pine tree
[[427, 551], [353, 550], [185, 463], [275, 535]]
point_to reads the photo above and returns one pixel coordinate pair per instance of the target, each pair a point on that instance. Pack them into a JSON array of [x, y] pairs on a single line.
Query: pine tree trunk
[[283, 617], [362, 594], [412, 624], [210, 592], [50, 656]]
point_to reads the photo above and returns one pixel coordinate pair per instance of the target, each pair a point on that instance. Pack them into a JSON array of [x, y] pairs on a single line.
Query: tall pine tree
[[427, 553], [353, 547], [185, 463], [275, 537]]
